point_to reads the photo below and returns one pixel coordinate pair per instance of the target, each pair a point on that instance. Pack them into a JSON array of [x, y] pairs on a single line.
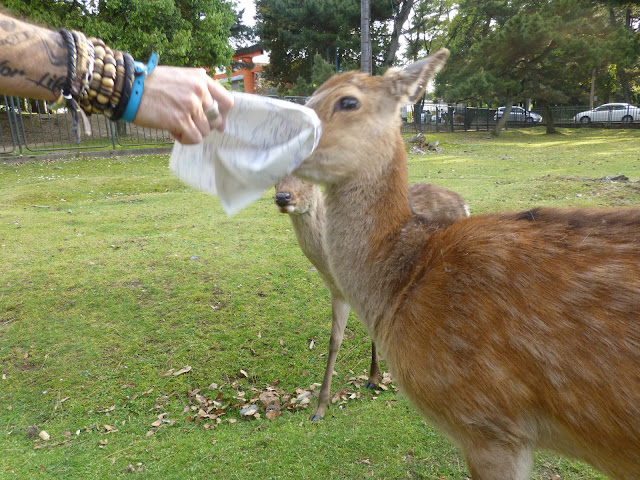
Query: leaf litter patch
[[215, 405]]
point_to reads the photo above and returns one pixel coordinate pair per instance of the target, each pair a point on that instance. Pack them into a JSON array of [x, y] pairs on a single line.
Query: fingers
[[177, 99], [224, 100], [210, 111]]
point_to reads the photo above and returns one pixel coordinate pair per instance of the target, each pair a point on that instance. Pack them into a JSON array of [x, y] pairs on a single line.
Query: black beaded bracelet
[[129, 64]]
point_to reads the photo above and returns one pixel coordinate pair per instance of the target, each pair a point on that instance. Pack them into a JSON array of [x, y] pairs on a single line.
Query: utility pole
[[365, 33]]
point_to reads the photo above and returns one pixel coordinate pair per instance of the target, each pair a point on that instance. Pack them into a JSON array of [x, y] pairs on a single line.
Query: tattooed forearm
[[7, 71], [51, 82], [14, 39], [7, 24], [55, 48], [33, 59]]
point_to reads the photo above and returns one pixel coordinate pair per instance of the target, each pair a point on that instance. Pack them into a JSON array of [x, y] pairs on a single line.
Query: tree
[[428, 27], [293, 32], [525, 49], [183, 32], [624, 17], [242, 35], [402, 10]]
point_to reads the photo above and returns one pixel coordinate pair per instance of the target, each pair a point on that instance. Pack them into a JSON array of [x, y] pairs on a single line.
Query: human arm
[[33, 64]]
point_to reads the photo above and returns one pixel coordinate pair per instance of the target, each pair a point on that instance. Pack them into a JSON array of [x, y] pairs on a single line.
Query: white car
[[610, 112], [518, 114]]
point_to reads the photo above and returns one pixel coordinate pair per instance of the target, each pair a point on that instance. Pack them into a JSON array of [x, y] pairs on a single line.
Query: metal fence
[[30, 127], [452, 118]]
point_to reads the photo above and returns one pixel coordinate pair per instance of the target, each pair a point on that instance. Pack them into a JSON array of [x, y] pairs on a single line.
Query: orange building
[[243, 68]]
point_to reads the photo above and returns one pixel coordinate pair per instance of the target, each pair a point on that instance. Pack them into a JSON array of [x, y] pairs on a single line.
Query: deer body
[[304, 203], [510, 332]]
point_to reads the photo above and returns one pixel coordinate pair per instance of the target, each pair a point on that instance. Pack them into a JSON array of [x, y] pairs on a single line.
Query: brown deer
[[510, 332], [304, 203]]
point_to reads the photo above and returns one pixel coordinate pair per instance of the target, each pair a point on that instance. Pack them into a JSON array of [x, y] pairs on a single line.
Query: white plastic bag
[[264, 140]]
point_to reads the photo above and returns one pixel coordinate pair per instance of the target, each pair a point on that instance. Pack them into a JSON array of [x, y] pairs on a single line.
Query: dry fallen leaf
[[271, 414], [157, 423], [44, 435], [182, 370]]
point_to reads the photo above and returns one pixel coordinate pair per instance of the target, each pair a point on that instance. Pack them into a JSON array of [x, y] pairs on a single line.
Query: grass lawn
[[137, 319]]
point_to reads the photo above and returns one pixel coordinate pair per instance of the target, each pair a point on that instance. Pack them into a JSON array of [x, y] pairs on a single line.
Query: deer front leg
[[491, 459], [339, 315], [374, 370]]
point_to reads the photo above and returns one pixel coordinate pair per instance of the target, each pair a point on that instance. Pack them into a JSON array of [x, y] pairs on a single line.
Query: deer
[[304, 203], [509, 332]]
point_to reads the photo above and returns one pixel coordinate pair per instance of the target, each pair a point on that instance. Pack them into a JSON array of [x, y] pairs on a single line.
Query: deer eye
[[347, 103]]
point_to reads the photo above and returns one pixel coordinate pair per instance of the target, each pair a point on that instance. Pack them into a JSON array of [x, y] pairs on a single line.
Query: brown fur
[[305, 206], [510, 332]]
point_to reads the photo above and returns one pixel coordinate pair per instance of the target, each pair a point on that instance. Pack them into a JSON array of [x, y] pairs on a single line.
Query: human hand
[[177, 99]]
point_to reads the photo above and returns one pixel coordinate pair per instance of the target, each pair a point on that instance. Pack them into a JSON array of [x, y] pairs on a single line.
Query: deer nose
[[283, 198]]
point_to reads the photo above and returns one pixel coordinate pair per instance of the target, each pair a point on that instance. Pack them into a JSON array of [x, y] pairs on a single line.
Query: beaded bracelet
[[84, 64], [101, 80], [117, 112]]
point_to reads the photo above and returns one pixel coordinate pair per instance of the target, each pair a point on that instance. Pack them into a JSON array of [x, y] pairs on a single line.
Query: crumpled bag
[[264, 140]]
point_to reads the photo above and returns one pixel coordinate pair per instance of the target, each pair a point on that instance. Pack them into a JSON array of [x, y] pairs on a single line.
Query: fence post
[[13, 120]]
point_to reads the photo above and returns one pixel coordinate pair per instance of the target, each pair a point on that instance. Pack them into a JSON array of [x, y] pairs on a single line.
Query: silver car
[[610, 112], [518, 114]]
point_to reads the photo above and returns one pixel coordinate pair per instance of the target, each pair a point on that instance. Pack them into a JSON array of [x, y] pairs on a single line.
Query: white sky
[[249, 11]]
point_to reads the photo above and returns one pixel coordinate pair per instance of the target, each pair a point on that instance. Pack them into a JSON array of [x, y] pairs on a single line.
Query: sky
[[249, 11]]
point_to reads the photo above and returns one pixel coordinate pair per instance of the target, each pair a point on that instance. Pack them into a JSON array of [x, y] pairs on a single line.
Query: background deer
[[510, 332], [304, 203]]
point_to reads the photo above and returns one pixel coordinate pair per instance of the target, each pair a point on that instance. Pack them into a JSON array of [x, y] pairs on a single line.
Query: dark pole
[[365, 34]]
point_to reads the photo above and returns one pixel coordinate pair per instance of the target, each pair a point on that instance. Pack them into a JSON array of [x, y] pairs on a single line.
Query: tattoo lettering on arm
[[58, 54], [7, 24], [52, 83], [7, 71], [14, 39]]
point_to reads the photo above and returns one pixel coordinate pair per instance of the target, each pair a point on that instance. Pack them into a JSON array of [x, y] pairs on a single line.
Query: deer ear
[[411, 81]]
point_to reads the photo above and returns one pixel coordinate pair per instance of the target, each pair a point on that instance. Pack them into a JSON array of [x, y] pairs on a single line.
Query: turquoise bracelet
[[140, 71]]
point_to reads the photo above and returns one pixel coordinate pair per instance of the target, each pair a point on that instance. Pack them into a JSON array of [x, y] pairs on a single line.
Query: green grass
[[112, 272]]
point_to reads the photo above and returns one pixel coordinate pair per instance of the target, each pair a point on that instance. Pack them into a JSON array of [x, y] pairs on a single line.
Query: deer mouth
[[287, 208]]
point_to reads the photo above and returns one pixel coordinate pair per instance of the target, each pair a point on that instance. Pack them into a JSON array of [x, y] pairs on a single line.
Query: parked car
[[430, 115], [610, 112], [518, 114]]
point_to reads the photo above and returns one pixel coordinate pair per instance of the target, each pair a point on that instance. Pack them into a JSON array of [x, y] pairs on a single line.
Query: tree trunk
[[548, 115], [365, 36], [593, 88], [624, 82], [503, 119], [399, 21]]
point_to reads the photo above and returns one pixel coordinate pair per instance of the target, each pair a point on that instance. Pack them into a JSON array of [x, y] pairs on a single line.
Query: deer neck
[[309, 228], [369, 251]]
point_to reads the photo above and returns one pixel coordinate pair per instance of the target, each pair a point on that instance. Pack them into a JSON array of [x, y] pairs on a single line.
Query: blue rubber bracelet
[[140, 71]]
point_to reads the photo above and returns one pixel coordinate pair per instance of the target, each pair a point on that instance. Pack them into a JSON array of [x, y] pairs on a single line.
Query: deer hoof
[[315, 417], [370, 386]]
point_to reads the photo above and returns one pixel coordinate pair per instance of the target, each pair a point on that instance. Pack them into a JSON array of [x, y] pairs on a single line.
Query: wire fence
[[453, 118], [30, 127]]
